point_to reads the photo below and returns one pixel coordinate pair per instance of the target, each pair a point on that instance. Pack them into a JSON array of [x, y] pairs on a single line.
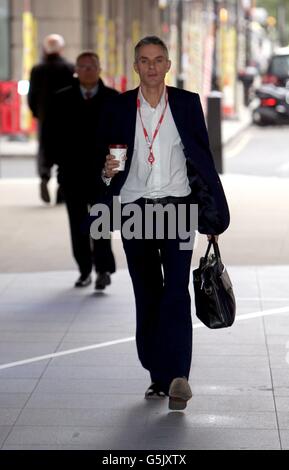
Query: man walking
[[72, 124], [168, 162], [52, 74]]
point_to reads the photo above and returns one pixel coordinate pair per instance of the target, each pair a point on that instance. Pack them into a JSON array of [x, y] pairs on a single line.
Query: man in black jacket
[[71, 129], [52, 74], [169, 163]]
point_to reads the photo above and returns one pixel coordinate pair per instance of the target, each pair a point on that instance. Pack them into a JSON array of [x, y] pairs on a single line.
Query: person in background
[[71, 127], [47, 77]]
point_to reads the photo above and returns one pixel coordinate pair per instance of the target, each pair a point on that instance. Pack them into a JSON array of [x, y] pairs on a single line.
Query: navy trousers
[[160, 274], [87, 253]]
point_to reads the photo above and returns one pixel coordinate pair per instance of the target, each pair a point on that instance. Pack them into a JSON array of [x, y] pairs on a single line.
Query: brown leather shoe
[[179, 394]]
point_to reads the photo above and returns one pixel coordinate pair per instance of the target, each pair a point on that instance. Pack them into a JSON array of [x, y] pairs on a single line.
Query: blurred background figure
[[52, 74], [70, 130]]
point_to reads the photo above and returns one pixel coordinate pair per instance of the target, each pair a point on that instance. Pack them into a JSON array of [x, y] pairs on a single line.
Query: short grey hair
[[53, 44], [148, 40], [88, 53]]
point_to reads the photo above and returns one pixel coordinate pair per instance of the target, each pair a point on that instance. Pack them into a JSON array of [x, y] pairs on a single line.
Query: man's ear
[[169, 65], [135, 66]]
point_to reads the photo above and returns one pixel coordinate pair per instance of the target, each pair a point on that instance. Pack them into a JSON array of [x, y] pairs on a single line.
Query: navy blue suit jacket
[[119, 125]]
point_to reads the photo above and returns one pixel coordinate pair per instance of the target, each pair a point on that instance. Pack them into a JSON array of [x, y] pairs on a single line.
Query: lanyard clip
[[151, 158]]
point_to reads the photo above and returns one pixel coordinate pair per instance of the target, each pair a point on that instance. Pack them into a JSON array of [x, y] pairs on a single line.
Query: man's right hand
[[111, 166]]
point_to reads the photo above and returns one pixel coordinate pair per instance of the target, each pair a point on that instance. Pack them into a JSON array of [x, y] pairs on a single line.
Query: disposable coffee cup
[[119, 152]]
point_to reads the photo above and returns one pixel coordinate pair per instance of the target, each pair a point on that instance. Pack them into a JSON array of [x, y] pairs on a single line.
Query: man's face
[[152, 65], [88, 70]]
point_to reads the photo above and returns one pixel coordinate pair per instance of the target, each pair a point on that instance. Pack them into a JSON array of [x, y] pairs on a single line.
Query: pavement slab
[[93, 398]]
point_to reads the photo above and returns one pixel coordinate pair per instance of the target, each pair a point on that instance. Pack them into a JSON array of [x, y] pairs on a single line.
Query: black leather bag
[[214, 296]]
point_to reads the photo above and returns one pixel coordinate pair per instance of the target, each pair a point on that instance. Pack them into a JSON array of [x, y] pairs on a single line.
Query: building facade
[[205, 38], [110, 27]]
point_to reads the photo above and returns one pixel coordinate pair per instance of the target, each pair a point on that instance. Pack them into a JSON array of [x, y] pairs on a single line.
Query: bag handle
[[213, 242]]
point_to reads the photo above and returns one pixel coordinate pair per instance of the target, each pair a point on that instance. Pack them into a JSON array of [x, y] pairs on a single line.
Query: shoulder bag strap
[[215, 245]]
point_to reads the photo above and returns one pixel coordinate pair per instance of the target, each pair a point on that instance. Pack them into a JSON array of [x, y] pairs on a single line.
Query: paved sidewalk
[[93, 399], [12, 148], [232, 128]]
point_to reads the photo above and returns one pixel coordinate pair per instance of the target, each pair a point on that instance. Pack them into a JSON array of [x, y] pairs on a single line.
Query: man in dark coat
[[169, 163], [71, 129], [52, 74]]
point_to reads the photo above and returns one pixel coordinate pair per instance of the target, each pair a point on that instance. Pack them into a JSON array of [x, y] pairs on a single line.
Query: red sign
[[9, 108]]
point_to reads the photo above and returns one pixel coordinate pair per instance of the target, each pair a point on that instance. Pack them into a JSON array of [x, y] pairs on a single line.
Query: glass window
[[4, 40]]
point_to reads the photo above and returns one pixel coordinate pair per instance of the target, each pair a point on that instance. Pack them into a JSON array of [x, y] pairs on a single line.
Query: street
[[260, 151]]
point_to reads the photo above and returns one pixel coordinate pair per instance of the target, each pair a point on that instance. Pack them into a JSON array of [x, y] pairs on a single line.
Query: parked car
[[278, 68], [271, 105]]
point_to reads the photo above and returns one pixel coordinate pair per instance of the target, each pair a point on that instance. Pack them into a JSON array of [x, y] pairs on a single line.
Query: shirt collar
[[93, 91], [143, 101]]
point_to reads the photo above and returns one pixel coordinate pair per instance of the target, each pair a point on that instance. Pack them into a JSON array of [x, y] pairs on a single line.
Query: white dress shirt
[[168, 175], [92, 91]]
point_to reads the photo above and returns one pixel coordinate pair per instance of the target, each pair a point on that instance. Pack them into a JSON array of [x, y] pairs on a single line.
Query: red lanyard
[[151, 158]]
